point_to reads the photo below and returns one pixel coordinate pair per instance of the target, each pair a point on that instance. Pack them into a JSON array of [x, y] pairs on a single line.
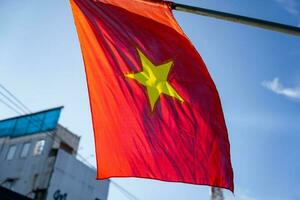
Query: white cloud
[[291, 6], [278, 88]]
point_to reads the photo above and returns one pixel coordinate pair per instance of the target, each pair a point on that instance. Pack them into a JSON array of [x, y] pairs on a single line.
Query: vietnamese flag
[[155, 109]]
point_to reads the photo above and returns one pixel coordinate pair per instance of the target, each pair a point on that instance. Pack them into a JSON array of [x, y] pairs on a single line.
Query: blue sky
[[257, 73]]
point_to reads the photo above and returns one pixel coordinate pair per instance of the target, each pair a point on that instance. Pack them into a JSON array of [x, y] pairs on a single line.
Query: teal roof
[[30, 124]]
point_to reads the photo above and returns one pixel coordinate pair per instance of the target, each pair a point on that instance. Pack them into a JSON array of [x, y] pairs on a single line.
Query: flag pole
[[283, 28]]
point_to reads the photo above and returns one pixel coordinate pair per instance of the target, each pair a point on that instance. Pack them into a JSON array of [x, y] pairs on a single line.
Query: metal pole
[[293, 30], [216, 193]]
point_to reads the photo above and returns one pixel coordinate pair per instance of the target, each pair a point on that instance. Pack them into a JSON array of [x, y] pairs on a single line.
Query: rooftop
[[32, 123]]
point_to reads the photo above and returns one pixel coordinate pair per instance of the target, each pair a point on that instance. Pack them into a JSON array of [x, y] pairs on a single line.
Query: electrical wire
[[124, 191], [9, 106], [12, 102], [35, 122], [51, 134], [16, 99]]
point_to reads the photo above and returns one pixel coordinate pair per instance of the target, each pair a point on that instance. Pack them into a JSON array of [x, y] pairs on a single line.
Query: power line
[[15, 104], [51, 134], [22, 111], [16, 99], [125, 192], [9, 106]]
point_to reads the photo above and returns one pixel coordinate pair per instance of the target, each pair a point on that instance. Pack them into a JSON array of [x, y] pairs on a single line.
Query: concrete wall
[[73, 180], [31, 172], [67, 137], [55, 173]]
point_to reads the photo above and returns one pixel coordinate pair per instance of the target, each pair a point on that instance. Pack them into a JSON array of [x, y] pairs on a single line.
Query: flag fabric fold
[[155, 109]]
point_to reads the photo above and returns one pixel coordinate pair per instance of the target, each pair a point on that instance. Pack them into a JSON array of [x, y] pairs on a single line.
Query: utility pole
[[216, 193]]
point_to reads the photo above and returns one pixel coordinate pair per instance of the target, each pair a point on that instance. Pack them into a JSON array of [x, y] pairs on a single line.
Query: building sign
[[59, 196]]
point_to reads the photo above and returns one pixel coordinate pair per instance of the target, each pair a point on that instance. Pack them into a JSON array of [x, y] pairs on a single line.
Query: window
[[11, 152], [39, 146], [25, 150]]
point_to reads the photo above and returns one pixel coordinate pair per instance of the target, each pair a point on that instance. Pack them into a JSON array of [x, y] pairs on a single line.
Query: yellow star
[[155, 79]]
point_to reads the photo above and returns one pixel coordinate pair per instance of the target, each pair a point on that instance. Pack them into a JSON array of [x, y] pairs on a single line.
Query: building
[[38, 160]]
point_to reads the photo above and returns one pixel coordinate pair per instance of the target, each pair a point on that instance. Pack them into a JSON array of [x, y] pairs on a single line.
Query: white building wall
[[73, 180], [31, 172]]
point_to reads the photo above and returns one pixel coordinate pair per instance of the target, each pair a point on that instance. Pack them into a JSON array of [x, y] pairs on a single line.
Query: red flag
[[156, 112]]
